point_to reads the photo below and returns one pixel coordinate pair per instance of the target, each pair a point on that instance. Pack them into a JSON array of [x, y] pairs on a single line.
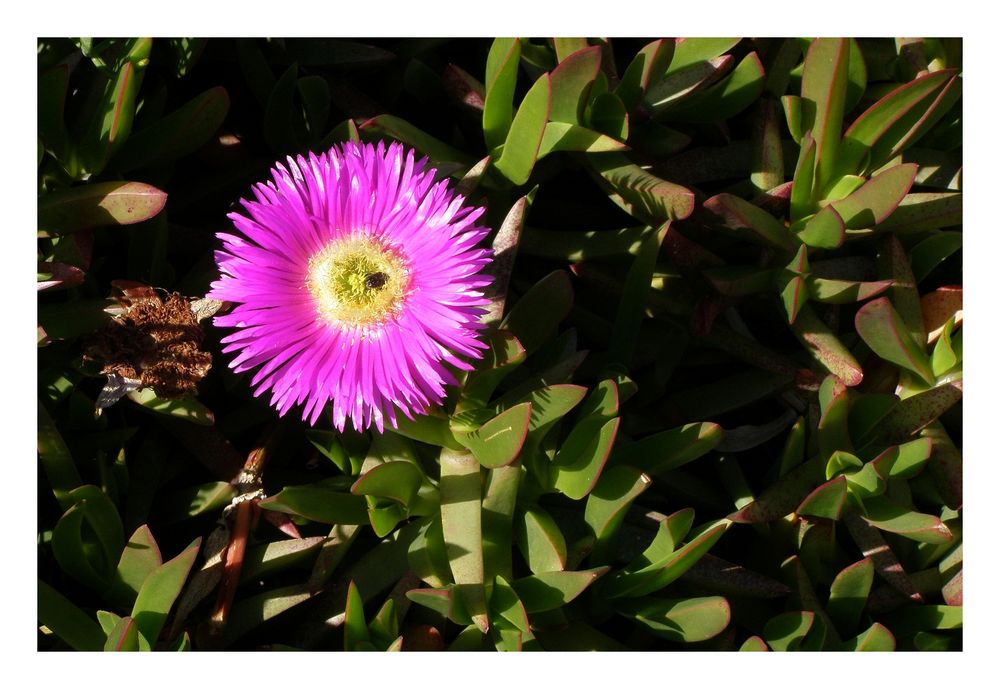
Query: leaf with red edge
[[754, 643], [461, 522], [904, 461], [687, 620], [917, 411], [498, 442], [98, 205], [906, 103], [849, 594], [827, 501], [607, 504], [938, 308], [665, 94], [394, 480], [540, 540], [734, 213], [844, 291], [888, 516], [648, 65], [826, 347], [787, 631], [159, 591], [883, 330], [877, 198], [578, 463], [550, 590], [794, 292], [875, 638], [521, 147], [824, 91], [125, 636], [825, 230], [670, 449], [501, 78], [730, 96], [571, 82], [642, 194]]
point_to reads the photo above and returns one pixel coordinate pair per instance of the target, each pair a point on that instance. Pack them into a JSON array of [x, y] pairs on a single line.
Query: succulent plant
[[719, 404]]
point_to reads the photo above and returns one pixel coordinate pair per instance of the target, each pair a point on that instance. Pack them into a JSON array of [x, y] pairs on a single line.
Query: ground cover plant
[[659, 349]]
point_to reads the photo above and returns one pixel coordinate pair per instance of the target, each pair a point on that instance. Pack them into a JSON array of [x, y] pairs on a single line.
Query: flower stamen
[[357, 282]]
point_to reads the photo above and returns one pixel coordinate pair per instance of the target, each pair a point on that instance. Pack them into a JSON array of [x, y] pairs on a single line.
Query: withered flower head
[[150, 342]]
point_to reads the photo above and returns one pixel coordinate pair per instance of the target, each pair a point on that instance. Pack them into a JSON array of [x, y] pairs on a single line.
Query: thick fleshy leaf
[[824, 92], [925, 211], [645, 68], [540, 540], [930, 252], [139, 559], [97, 205], [643, 580], [187, 408], [896, 121], [607, 504], [499, 504], [687, 620], [319, 503], [787, 631], [827, 501], [607, 114], [826, 347], [444, 601], [577, 465], [644, 195], [849, 593], [875, 638], [825, 230], [888, 516], [53, 86], [250, 613], [794, 292], [427, 428], [844, 291], [904, 461], [670, 449], [67, 621], [665, 94], [540, 310], [883, 330], [355, 628], [729, 97], [112, 121], [398, 481], [915, 412], [271, 557], [925, 617], [833, 428], [802, 202], [498, 442], [767, 163], [632, 307], [560, 136], [760, 226], [877, 198], [501, 77], [550, 590], [579, 246], [159, 591], [754, 643], [691, 50], [125, 636], [461, 521], [176, 135], [571, 82], [521, 148]]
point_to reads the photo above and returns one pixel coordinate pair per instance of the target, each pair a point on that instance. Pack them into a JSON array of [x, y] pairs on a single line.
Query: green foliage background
[[726, 352]]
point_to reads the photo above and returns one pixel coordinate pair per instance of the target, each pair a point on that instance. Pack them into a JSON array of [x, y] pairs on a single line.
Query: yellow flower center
[[356, 281]]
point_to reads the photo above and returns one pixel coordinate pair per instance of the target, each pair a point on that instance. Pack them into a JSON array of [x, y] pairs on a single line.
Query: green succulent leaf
[[885, 332], [67, 621], [319, 503], [498, 442], [501, 77], [849, 594], [787, 631], [607, 504], [98, 205], [687, 620], [551, 590], [521, 148], [159, 590]]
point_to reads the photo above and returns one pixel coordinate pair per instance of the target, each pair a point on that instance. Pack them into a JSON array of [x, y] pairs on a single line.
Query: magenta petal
[[371, 374]]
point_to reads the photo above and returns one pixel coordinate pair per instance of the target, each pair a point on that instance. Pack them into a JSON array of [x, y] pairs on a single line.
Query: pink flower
[[358, 281]]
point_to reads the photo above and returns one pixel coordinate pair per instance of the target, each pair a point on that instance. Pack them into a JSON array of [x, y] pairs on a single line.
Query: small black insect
[[376, 280]]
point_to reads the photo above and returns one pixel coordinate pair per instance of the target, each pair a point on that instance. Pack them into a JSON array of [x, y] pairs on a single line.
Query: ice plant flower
[[358, 280]]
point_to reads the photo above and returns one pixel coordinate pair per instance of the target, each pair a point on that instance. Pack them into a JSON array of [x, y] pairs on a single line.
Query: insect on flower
[[357, 281]]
